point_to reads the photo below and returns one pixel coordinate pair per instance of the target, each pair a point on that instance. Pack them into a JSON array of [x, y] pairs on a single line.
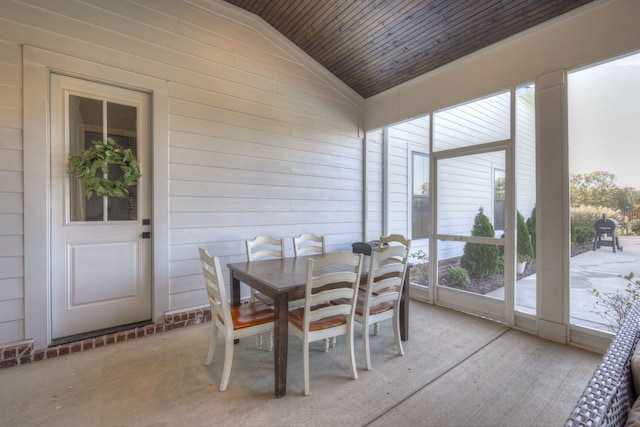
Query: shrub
[[500, 265], [480, 260], [634, 226], [587, 216], [531, 226], [584, 234], [614, 306], [525, 252], [419, 272], [458, 276]]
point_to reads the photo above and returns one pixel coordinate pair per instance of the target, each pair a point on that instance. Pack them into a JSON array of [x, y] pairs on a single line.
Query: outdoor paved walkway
[[600, 269]]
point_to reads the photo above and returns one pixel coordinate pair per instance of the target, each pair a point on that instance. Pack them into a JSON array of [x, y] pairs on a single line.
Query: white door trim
[[37, 66]]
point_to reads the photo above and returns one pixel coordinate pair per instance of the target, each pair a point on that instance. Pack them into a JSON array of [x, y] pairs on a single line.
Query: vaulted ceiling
[[373, 45]]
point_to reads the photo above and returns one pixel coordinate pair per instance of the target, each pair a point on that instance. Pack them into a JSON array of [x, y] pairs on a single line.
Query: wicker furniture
[[609, 395]]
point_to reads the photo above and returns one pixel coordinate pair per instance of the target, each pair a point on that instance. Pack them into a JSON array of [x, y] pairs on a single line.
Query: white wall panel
[[10, 160], [11, 310], [12, 330], [11, 267], [11, 180], [11, 139], [10, 203], [11, 188], [11, 224], [262, 140], [12, 288]]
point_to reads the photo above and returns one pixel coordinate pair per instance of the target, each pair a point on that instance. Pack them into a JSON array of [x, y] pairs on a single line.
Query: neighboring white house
[[464, 184], [247, 135]]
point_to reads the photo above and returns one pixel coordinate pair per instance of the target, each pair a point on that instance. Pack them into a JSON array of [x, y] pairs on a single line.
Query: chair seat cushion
[[383, 306], [363, 288], [296, 318], [386, 290], [252, 314]]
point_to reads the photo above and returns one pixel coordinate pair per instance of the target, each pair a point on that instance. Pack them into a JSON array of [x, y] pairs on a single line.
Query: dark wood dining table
[[284, 280]]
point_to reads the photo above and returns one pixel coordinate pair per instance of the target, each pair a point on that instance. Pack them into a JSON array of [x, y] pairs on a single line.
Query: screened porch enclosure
[[603, 105], [445, 169]]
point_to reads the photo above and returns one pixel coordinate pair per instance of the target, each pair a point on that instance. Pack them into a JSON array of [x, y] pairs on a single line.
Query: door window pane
[[454, 268], [86, 117], [420, 197], [499, 199], [465, 185], [525, 289], [122, 123], [477, 122], [84, 113]]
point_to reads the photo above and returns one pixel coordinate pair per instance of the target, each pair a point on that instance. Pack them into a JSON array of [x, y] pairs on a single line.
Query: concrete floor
[[457, 370]]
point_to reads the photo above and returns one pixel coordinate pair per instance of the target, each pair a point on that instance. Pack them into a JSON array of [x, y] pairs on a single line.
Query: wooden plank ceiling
[[373, 45]]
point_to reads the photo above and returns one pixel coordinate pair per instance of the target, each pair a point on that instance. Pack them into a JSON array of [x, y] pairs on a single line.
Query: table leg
[[235, 290], [235, 295], [280, 342], [404, 309]]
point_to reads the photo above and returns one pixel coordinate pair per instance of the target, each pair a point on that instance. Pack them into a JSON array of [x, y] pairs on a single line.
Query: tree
[[525, 251], [479, 259], [627, 198], [599, 188], [531, 226]]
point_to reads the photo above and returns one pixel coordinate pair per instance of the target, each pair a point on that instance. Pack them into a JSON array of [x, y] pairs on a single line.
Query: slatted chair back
[[381, 299], [335, 276], [216, 291], [309, 244], [234, 322], [393, 240], [264, 247]]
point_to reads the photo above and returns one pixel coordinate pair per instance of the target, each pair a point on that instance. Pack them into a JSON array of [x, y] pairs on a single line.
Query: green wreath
[[97, 158]]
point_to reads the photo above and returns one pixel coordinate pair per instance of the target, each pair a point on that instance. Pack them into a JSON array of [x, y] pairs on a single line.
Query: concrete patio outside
[[601, 269]]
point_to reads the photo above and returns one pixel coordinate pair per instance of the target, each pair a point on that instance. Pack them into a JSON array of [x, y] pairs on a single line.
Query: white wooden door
[[100, 247]]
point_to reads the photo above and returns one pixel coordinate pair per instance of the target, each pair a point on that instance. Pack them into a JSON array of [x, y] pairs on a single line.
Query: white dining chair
[[319, 319], [234, 322], [309, 244], [385, 242], [264, 247], [381, 299]]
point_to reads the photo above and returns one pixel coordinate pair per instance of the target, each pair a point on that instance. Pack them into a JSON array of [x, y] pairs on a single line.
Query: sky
[[604, 120]]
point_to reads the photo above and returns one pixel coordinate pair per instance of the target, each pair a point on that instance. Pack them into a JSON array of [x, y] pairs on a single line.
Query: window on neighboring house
[[499, 206], [420, 196]]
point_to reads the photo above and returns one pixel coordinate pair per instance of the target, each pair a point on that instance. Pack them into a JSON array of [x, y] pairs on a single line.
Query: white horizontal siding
[[464, 185], [476, 122], [12, 330], [11, 224], [404, 138], [11, 191], [525, 157], [374, 185], [11, 267], [11, 305], [261, 139]]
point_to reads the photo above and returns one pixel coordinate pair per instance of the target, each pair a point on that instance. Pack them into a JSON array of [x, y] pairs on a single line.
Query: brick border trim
[[22, 352]]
